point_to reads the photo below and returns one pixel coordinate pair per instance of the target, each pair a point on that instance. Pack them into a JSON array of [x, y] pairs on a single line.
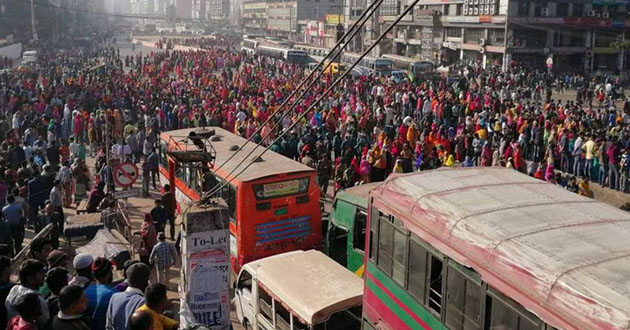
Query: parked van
[[298, 290]]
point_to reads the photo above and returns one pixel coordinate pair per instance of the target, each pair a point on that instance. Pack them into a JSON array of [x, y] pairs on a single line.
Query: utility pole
[[33, 21]]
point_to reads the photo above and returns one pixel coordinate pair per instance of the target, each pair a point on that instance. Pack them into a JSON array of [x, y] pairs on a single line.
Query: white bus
[[290, 55], [249, 45], [29, 56], [379, 66]]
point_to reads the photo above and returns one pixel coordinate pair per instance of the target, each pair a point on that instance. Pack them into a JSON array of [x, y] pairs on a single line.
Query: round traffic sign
[[549, 62], [125, 174]]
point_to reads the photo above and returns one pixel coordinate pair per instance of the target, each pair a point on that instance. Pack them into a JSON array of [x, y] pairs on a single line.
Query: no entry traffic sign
[[125, 174]]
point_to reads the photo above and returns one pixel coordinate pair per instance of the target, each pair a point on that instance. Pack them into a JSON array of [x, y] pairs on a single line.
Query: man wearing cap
[[82, 264], [57, 258], [99, 293], [123, 304]]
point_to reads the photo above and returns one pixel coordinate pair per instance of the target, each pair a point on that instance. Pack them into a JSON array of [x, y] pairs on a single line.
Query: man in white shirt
[[116, 153], [74, 148]]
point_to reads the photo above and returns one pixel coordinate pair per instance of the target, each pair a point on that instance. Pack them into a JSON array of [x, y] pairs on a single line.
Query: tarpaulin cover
[[108, 246]]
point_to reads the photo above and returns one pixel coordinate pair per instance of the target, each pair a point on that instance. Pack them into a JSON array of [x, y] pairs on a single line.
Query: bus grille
[[283, 229]]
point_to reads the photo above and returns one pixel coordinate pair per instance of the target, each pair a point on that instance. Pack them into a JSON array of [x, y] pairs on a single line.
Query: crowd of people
[[5, 63], [49, 297], [92, 102]]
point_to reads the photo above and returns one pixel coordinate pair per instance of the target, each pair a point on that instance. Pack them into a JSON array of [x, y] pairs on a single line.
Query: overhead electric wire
[[355, 28], [389, 28]]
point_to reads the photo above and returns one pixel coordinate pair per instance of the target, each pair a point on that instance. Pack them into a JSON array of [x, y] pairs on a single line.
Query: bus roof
[[311, 284], [563, 256], [272, 163], [357, 195]]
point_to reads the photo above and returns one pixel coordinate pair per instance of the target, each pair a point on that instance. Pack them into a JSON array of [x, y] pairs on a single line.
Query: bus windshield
[[297, 56]]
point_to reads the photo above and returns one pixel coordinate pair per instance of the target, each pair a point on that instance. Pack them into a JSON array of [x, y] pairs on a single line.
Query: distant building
[[579, 35], [284, 18], [183, 9], [218, 9]]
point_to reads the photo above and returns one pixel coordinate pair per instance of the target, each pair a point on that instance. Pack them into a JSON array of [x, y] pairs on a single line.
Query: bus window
[[358, 237], [463, 302], [346, 319], [338, 248], [400, 258], [298, 325], [385, 249], [180, 171], [507, 314], [374, 225], [417, 271], [265, 303], [283, 318], [435, 285]]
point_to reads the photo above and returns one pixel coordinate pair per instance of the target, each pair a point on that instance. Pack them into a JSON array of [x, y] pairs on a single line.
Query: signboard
[[208, 297], [126, 193], [125, 174], [549, 63], [334, 19], [280, 188]]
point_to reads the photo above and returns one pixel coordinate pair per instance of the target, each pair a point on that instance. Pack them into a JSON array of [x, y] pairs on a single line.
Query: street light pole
[[33, 21]]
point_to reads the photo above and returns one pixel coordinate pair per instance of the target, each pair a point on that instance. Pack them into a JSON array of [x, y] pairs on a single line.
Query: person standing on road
[[168, 201], [14, 215], [154, 162], [156, 303], [149, 238], [99, 293], [163, 257], [124, 304], [65, 177], [56, 199]]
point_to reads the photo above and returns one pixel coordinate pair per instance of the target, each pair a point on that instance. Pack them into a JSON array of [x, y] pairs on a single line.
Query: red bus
[[274, 204], [487, 248]]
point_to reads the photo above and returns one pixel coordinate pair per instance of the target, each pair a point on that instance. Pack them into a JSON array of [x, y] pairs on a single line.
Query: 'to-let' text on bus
[[274, 204], [491, 248]]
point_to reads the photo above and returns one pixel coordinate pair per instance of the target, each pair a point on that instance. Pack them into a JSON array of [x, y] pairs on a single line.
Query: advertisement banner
[[207, 299]]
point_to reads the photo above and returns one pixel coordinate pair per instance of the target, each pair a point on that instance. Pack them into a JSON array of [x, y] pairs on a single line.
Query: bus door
[[171, 172], [345, 240]]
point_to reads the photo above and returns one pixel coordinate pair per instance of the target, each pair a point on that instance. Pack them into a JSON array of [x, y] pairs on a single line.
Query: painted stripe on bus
[[297, 235], [398, 301], [293, 229], [281, 222], [297, 223]]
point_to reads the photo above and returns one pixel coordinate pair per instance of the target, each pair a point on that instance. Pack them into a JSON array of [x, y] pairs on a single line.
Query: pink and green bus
[[492, 249]]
